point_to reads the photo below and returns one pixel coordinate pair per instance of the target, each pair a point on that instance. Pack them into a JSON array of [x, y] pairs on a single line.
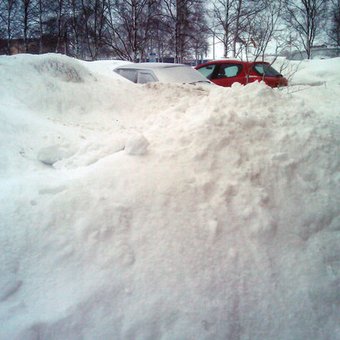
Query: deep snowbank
[[310, 72], [162, 211]]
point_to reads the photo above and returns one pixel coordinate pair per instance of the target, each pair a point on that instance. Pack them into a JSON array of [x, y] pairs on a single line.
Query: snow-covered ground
[[164, 211]]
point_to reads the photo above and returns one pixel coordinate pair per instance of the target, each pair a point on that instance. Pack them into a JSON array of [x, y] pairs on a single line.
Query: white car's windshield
[[179, 74]]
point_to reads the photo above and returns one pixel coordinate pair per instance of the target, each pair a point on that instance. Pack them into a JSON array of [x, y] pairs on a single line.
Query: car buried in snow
[[227, 72], [143, 73]]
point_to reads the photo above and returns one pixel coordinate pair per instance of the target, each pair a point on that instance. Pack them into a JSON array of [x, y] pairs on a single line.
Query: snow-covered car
[[227, 72], [142, 73]]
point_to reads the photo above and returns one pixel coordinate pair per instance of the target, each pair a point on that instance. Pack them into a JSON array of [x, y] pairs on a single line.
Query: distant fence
[[317, 53]]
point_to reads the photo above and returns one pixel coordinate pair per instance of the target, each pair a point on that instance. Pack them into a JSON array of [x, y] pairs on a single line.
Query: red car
[[227, 72]]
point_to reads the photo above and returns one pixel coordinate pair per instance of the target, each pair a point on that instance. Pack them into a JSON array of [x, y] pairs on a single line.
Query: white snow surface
[[167, 211]]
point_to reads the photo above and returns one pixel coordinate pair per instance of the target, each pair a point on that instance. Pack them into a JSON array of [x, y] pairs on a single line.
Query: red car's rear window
[[266, 70]]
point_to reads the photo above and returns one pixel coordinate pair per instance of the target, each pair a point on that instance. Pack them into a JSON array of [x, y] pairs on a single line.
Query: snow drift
[[163, 211]]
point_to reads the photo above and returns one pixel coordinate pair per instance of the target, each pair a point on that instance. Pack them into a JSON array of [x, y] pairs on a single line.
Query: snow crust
[[167, 211]]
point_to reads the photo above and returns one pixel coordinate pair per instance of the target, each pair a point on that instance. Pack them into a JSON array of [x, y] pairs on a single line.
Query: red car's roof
[[233, 61]]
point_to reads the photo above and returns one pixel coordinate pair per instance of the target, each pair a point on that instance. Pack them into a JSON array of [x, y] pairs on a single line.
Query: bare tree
[[226, 19], [185, 21], [334, 33], [232, 21], [26, 7], [265, 28], [40, 6], [129, 27], [199, 33], [175, 14], [8, 11], [92, 21], [60, 22], [305, 17], [222, 19], [74, 27]]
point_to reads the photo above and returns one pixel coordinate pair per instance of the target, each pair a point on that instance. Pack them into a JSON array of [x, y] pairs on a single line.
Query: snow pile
[[315, 72], [61, 88], [180, 213], [104, 67], [310, 72]]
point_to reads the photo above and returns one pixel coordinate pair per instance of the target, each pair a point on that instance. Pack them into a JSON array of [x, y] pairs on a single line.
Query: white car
[[142, 73]]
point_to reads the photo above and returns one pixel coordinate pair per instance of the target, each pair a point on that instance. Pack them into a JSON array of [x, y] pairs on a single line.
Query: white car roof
[[151, 65], [165, 72]]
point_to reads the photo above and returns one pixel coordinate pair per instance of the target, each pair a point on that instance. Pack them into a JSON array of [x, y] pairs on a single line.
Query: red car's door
[[228, 74]]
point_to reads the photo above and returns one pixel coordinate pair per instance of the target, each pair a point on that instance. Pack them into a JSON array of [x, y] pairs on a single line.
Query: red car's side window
[[228, 70]]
